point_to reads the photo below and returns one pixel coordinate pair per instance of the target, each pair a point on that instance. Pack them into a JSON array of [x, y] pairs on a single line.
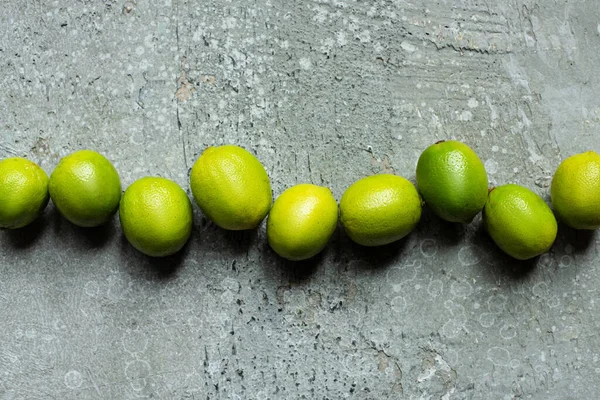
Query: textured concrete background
[[324, 91]]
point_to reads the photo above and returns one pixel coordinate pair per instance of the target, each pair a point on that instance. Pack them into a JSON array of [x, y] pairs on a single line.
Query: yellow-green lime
[[156, 216], [301, 221], [231, 187], [575, 191], [23, 192], [85, 188], [519, 221], [452, 181], [380, 209]]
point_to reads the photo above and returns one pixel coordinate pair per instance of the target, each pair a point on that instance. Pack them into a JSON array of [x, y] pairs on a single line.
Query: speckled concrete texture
[[324, 91]]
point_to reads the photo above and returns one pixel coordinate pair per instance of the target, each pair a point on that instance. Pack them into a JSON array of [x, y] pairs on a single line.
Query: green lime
[[231, 187], [156, 216], [452, 180], [301, 222], [85, 188], [519, 221], [380, 209], [575, 191], [23, 192]]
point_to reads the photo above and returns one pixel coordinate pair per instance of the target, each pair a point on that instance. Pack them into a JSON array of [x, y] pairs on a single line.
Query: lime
[[156, 216], [23, 192], [380, 209], [301, 222], [519, 221], [452, 180], [575, 191], [231, 187], [85, 188]]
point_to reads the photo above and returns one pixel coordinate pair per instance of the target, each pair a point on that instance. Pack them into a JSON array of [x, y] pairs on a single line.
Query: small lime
[[575, 191], [452, 180], [519, 221], [301, 222], [380, 209], [23, 192], [85, 188], [156, 216]]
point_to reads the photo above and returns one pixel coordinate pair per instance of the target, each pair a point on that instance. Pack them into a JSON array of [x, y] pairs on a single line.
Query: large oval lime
[[231, 187]]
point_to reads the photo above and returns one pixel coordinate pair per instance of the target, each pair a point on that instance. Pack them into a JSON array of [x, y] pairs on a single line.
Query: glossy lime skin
[[301, 221], [519, 221], [452, 181], [231, 187], [156, 216], [380, 209], [575, 191], [23, 192], [85, 188]]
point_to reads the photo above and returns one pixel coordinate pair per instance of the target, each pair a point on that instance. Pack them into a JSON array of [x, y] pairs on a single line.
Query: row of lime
[[232, 188]]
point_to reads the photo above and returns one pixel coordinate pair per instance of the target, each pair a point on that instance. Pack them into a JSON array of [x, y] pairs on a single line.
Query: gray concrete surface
[[327, 92]]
